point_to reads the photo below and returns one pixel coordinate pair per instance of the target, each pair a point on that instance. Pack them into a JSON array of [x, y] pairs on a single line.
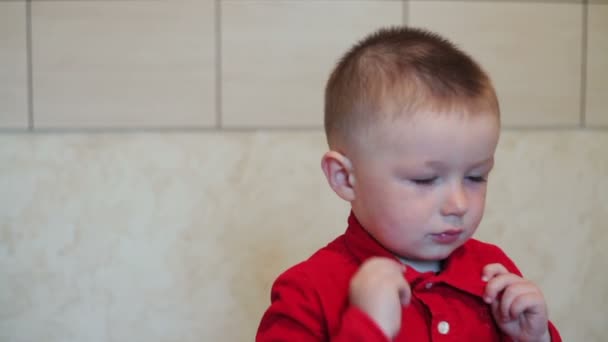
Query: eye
[[425, 181], [477, 179]]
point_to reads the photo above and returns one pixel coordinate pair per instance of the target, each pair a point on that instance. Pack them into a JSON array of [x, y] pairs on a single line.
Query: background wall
[[159, 160]]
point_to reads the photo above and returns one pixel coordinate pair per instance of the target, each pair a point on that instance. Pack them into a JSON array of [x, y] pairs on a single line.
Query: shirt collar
[[461, 269]]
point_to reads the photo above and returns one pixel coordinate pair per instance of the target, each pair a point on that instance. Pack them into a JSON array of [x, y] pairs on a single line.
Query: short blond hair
[[398, 71]]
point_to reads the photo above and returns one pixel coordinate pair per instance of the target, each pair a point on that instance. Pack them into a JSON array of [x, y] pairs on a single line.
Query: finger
[[399, 267], [392, 269], [498, 284], [379, 265], [492, 270], [530, 302], [496, 311], [390, 276], [390, 265], [511, 294]]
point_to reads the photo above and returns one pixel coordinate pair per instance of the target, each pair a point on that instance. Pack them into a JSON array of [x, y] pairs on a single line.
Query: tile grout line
[[405, 20], [244, 129], [218, 65], [30, 78], [584, 47]]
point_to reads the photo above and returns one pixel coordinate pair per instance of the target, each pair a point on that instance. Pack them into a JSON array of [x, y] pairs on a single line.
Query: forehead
[[433, 138]]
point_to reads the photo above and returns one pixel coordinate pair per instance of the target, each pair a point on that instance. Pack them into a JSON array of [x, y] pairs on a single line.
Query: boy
[[412, 124]]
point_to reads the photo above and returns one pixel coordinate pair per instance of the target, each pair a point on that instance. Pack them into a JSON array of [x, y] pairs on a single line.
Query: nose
[[456, 202]]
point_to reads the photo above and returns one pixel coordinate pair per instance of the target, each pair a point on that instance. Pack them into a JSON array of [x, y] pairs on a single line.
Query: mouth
[[447, 236]]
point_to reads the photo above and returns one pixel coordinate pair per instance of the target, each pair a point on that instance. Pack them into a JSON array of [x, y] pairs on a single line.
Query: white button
[[428, 285], [443, 327]]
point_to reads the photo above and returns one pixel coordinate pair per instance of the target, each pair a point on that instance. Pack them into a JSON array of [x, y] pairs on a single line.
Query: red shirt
[[309, 302]]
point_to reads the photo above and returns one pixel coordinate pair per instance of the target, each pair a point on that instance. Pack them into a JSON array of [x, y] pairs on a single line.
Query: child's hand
[[380, 289], [518, 305]]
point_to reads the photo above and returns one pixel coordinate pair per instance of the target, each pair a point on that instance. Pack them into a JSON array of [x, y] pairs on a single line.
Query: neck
[[423, 266]]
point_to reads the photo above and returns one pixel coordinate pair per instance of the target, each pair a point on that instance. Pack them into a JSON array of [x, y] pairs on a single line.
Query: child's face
[[420, 184]]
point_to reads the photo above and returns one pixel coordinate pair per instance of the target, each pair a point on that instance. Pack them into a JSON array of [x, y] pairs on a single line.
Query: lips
[[450, 232], [447, 236]]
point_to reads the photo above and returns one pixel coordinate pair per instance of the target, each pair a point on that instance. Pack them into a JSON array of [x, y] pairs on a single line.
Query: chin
[[442, 254], [428, 252]]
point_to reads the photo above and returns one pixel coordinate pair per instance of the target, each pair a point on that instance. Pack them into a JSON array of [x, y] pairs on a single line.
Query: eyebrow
[[439, 164]]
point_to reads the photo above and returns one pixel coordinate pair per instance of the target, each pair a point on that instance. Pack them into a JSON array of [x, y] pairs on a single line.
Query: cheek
[[402, 204], [477, 199], [414, 209]]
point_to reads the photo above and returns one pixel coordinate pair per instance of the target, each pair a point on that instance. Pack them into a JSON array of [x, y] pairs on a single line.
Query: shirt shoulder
[[483, 253], [313, 294], [329, 264]]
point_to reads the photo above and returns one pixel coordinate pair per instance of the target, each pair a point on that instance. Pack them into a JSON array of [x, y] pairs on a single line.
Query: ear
[[339, 173]]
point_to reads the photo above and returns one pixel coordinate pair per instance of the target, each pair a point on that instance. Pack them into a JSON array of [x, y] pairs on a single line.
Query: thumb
[[498, 317], [405, 294], [405, 298]]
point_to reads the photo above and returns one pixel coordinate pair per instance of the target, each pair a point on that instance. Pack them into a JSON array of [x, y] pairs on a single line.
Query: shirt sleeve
[[295, 314]]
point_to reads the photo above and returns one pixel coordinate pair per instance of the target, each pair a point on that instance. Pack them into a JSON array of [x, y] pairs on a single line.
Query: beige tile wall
[[100, 64], [532, 50], [13, 66], [178, 236], [133, 234], [597, 70], [277, 55], [262, 64]]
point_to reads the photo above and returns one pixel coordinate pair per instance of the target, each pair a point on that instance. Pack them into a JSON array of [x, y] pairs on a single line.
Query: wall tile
[[13, 65], [277, 56], [123, 64], [102, 241], [532, 51], [597, 66], [547, 208]]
